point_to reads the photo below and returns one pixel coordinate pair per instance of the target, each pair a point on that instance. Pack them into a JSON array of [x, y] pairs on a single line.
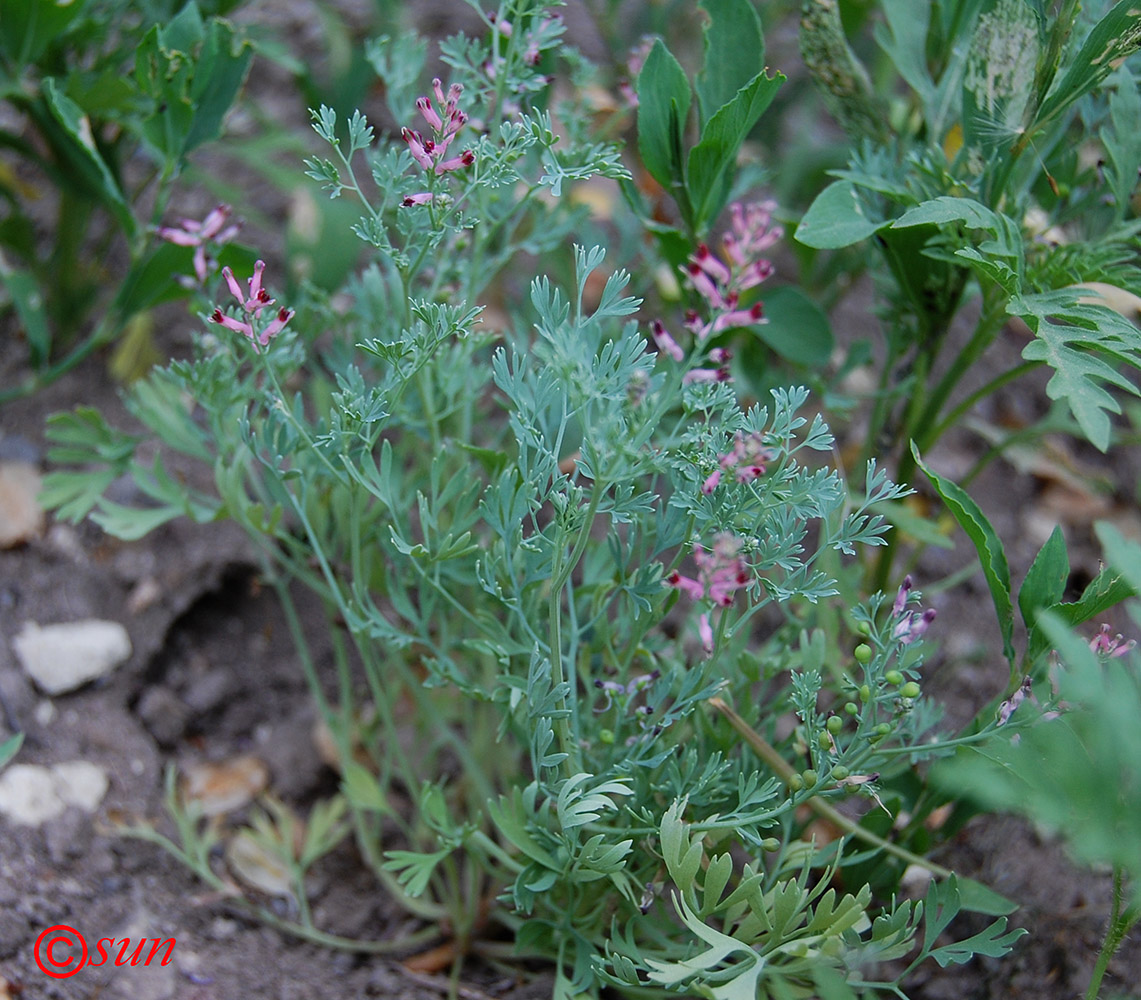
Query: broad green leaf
[[132, 523], [712, 162], [1115, 37], [991, 555], [904, 38], [78, 145], [219, 74], [796, 328], [664, 98], [28, 301], [837, 218], [975, 897], [1045, 582], [27, 27], [734, 53], [1080, 375], [362, 788]]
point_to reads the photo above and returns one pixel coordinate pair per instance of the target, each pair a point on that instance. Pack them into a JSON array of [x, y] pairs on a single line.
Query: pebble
[[21, 517], [64, 657], [164, 714], [31, 795]]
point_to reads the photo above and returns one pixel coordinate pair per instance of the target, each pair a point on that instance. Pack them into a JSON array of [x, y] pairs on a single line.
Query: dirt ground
[[213, 674]]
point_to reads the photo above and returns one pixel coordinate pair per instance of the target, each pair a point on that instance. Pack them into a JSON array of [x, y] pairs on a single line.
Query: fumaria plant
[[567, 574]]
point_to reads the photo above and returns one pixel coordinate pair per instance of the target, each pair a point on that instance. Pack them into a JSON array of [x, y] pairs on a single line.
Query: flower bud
[[834, 724], [851, 708], [893, 677], [910, 690], [862, 653]]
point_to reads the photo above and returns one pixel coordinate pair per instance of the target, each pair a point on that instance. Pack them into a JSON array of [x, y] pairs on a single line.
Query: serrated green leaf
[[991, 554], [837, 218], [1045, 582], [734, 53], [664, 98], [413, 869]]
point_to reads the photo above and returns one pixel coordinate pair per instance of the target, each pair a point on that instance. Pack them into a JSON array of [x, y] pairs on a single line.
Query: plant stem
[[763, 749], [1120, 922]]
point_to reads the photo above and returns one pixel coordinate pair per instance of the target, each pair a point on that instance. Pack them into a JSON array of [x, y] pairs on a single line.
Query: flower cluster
[[720, 571], [721, 284], [909, 625], [252, 305], [430, 152], [213, 231], [746, 460]]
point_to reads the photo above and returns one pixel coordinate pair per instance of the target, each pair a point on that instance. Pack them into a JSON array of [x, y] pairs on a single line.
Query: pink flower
[[212, 231], [258, 298], [252, 305], [747, 458], [721, 571], [706, 375], [909, 625], [1103, 644], [711, 482], [901, 596], [445, 123], [664, 342], [420, 198]]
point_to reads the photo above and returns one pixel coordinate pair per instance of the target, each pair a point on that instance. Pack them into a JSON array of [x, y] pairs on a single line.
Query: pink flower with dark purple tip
[[695, 375], [711, 482], [721, 571], [252, 305], [445, 123], [901, 596], [664, 342], [1113, 647], [420, 198]]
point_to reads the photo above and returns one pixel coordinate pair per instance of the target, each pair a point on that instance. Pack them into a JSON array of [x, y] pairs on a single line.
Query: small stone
[[145, 593], [61, 658], [68, 835], [164, 714], [32, 795], [21, 517], [45, 712]]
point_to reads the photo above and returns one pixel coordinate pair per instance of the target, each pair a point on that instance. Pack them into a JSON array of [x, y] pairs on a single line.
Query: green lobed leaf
[[219, 74], [1083, 353], [664, 98], [734, 47], [995, 568], [837, 218]]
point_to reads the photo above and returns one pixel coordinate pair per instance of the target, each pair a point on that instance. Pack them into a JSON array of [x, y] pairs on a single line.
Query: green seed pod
[[863, 628], [809, 777], [823, 740], [795, 782], [606, 735], [883, 729], [851, 708], [839, 772], [862, 653], [910, 690], [893, 677], [770, 844], [834, 724], [865, 693]]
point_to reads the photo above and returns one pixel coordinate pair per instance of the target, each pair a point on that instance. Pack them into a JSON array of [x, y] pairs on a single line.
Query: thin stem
[[1120, 923], [993, 385], [785, 771]]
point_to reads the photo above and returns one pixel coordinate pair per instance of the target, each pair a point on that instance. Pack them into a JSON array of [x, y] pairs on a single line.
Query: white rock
[[61, 658], [32, 795], [21, 517]]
